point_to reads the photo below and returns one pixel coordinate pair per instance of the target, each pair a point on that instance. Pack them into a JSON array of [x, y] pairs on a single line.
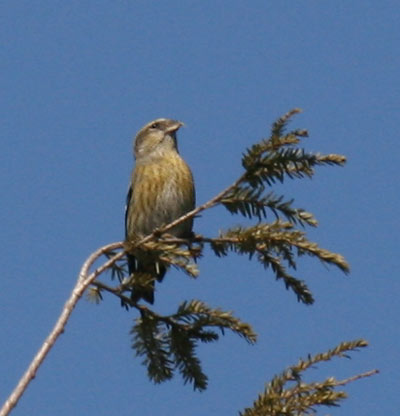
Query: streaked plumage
[[161, 190]]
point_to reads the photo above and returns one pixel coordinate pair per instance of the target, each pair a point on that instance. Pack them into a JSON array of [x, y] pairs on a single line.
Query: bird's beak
[[174, 126]]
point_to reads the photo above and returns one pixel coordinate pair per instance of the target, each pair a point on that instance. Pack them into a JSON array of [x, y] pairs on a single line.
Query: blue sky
[[78, 79]]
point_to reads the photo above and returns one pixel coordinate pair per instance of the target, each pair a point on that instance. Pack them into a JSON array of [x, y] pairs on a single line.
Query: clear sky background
[[79, 78]]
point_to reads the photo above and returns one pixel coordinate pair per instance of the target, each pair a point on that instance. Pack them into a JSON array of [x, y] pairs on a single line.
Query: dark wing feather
[[127, 203]]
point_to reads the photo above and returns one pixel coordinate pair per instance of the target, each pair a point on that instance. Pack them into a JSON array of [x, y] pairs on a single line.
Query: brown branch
[[331, 382], [83, 275], [82, 283], [357, 377], [142, 308]]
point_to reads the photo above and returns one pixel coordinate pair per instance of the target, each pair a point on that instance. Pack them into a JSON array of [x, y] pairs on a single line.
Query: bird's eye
[[154, 126]]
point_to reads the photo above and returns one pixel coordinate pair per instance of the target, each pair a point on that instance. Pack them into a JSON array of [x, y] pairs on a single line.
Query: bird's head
[[156, 138]]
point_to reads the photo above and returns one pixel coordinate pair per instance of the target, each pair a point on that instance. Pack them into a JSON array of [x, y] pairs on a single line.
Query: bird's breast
[[162, 191]]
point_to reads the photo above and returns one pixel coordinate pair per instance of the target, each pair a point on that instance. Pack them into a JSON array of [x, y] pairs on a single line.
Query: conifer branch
[[288, 394], [169, 342], [250, 202]]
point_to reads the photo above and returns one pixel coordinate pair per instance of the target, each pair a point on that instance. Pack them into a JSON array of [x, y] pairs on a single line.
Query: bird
[[161, 190]]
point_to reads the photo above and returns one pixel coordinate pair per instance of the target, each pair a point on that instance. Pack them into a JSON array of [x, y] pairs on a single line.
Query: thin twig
[[357, 377], [115, 291]]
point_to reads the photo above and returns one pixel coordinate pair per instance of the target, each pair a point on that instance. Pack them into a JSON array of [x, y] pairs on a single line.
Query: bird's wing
[[127, 203]]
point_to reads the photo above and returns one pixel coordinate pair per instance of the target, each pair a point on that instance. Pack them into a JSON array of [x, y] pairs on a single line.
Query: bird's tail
[[146, 273]]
